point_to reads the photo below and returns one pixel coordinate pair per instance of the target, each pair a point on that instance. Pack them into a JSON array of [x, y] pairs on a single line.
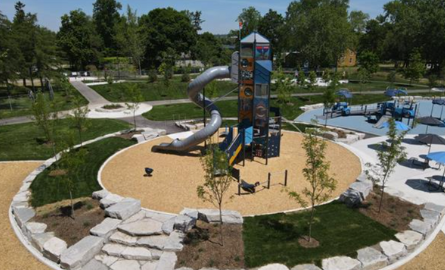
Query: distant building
[[187, 61], [349, 59]]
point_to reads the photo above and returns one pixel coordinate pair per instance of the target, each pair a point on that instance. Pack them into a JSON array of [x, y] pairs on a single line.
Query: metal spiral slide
[[194, 92]]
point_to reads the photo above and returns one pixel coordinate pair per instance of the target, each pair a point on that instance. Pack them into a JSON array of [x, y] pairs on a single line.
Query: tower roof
[[255, 37]]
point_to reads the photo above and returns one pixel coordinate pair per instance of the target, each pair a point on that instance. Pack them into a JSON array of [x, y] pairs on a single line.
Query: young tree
[[41, 111], [70, 161], [301, 77], [391, 77], [217, 180], [369, 63], [79, 118], [283, 85], [415, 69], [134, 94], [389, 154], [312, 80], [328, 101], [316, 172]]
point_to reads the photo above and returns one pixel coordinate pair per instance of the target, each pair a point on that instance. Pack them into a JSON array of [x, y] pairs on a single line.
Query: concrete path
[[14, 256], [92, 96]]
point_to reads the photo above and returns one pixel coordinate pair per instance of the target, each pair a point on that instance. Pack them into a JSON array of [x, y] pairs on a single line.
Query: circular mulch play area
[[176, 177]]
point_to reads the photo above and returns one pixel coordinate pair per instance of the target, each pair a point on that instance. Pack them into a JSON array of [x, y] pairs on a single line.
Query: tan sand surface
[[176, 177], [430, 259], [13, 255]]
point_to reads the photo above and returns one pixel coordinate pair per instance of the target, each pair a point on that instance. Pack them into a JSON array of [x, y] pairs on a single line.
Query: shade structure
[[400, 126], [395, 92], [430, 121], [439, 101], [430, 139], [438, 157], [344, 93]]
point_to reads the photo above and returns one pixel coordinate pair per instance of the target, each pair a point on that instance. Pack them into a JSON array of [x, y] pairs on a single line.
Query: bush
[[152, 76], [185, 77], [91, 68]]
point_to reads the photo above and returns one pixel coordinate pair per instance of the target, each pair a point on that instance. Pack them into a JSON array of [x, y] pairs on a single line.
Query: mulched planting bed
[[57, 216], [395, 213], [202, 247]]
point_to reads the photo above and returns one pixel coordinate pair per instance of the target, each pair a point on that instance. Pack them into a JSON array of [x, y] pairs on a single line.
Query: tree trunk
[[41, 84], [221, 238], [310, 223], [24, 82], [80, 136], [134, 119], [140, 68], [72, 205]]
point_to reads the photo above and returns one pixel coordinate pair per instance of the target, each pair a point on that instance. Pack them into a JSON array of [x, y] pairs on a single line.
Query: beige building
[[349, 59]]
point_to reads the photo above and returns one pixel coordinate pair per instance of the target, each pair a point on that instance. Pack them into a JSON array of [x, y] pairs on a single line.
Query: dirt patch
[[395, 214], [303, 241], [57, 172], [57, 216], [202, 247], [129, 135]]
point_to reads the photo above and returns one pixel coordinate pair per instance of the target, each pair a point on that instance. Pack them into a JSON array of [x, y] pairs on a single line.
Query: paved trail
[[13, 255]]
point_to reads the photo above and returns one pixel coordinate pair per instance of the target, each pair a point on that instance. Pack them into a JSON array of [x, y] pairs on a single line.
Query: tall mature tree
[[369, 64], [169, 33], [358, 20], [374, 38], [319, 30], [209, 49], [106, 16], [250, 17], [9, 53], [271, 26], [416, 67], [195, 18], [130, 38], [78, 39]]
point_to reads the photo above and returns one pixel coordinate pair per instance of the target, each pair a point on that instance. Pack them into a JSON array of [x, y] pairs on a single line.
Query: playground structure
[[256, 134], [376, 113]]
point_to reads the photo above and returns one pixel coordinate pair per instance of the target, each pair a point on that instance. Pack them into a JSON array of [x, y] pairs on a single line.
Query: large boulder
[[100, 194], [212, 216], [124, 209], [54, 248], [80, 253], [306, 267], [167, 261], [410, 239], [184, 223], [341, 263], [371, 258], [393, 250]]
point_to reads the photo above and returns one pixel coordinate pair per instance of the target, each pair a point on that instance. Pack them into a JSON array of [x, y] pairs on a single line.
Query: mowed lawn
[[340, 231], [49, 189], [26, 141]]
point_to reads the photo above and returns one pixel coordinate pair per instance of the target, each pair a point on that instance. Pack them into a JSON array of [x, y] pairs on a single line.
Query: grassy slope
[[340, 231], [156, 91], [21, 104], [48, 189], [23, 141]]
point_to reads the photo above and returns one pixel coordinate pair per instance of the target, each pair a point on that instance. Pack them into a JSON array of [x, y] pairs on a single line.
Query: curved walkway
[[13, 255]]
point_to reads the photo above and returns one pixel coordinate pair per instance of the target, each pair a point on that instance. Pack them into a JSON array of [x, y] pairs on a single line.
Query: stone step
[[123, 239], [144, 227], [129, 253]]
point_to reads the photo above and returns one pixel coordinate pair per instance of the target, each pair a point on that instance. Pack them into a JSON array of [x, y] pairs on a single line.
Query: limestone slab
[[110, 200], [34, 228], [54, 248], [100, 194], [81, 252], [149, 266], [393, 250], [168, 226], [174, 241], [306, 267], [106, 259], [161, 217], [274, 266], [114, 249], [38, 240], [126, 265], [155, 241], [23, 215], [430, 216], [341, 263], [184, 223], [410, 239], [106, 227], [94, 265], [137, 253], [434, 207], [145, 227], [167, 261], [136, 217], [421, 227], [124, 209], [212, 216], [193, 213], [363, 188], [123, 238], [371, 259]]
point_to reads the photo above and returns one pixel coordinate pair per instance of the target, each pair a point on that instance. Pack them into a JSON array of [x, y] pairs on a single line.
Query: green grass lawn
[[21, 104], [24, 141], [157, 90], [340, 231], [48, 189]]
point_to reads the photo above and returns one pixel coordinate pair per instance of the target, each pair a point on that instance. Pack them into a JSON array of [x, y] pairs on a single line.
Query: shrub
[[152, 76], [185, 77]]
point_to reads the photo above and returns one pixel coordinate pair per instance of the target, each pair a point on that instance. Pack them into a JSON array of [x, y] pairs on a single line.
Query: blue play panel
[[359, 123]]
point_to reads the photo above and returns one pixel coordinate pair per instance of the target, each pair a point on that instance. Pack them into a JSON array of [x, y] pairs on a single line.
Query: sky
[[219, 15]]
